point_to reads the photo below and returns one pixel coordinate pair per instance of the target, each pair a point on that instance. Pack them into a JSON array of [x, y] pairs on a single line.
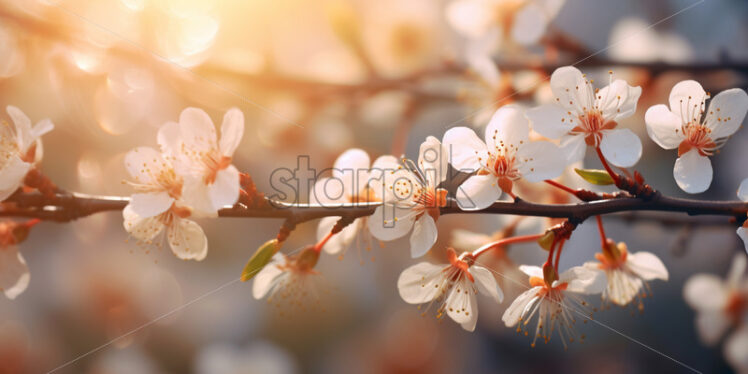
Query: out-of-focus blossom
[[211, 181], [695, 130], [158, 205], [349, 184], [506, 155], [633, 39], [258, 357], [719, 303], [454, 286], [583, 115], [555, 299], [13, 59], [520, 21], [411, 198], [626, 273], [20, 149], [736, 349], [14, 273], [288, 279], [743, 195]]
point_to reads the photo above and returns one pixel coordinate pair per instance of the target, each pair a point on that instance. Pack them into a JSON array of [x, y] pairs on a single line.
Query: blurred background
[[316, 77]]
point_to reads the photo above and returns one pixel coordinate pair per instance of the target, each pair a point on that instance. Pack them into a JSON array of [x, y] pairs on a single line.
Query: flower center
[[431, 200], [591, 125], [736, 305], [697, 137], [214, 163], [170, 182], [612, 258]]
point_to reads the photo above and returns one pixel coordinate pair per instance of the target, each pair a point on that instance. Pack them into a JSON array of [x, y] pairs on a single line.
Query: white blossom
[[743, 195], [506, 156], [288, 279], [411, 198], [697, 132], [583, 115], [20, 149], [454, 286]]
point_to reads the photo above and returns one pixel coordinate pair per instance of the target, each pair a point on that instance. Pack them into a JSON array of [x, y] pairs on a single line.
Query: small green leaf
[[261, 258], [598, 177], [546, 241]]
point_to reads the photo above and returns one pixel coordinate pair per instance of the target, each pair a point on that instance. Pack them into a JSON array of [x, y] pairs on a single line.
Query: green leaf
[[261, 258], [598, 177], [546, 241]]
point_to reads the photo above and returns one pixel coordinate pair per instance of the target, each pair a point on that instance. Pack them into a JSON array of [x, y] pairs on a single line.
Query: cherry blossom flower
[[626, 273], [287, 279], [349, 184], [736, 349], [211, 181], [14, 273], [20, 149], [719, 303], [412, 198], [743, 195], [555, 299], [696, 133], [454, 285], [158, 205], [522, 21], [506, 156], [583, 115]]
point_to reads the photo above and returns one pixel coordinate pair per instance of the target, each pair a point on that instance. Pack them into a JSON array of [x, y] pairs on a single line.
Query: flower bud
[[259, 259]]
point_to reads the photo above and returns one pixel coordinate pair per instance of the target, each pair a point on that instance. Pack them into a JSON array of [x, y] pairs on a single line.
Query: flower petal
[[328, 192], [621, 147], [737, 271], [232, 131], [574, 147], [743, 234], [583, 280], [12, 176], [266, 279], [352, 168], [705, 292], [384, 226], [461, 305], [486, 283], [141, 228], [23, 127], [187, 240], [726, 112], [647, 266], [478, 192], [550, 120], [618, 99], [197, 129], [663, 126], [687, 101], [540, 160], [14, 273], [571, 89], [150, 204], [341, 241], [423, 236], [711, 326], [169, 138], [224, 191], [508, 128], [421, 283], [514, 312], [529, 24], [196, 195], [433, 161], [468, 17], [531, 271], [463, 148], [736, 349], [693, 172], [743, 190], [145, 165]]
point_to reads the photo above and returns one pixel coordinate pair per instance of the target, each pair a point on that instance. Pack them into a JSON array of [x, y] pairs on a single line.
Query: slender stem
[[558, 252], [321, 243], [561, 186], [549, 261], [607, 167], [515, 239], [603, 237]]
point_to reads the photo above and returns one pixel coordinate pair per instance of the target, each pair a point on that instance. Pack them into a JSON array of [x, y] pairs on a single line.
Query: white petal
[[621, 147], [618, 99], [532, 271], [574, 147], [224, 191], [423, 236], [187, 240], [145, 165], [23, 127], [328, 192], [463, 147], [232, 131], [687, 100], [540, 160], [150, 204], [705, 292], [478, 192], [141, 228], [743, 190], [529, 24], [42, 127], [381, 165], [736, 349], [352, 168], [647, 266], [421, 283], [743, 234], [726, 112], [711, 326], [486, 283], [461, 304], [481, 63], [571, 89], [197, 129], [737, 271], [664, 127], [508, 127], [12, 176], [433, 160], [196, 195], [622, 287], [583, 280], [513, 313], [693, 172], [398, 186], [267, 277], [340, 241], [14, 273], [468, 17], [383, 225], [550, 120], [169, 138]]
